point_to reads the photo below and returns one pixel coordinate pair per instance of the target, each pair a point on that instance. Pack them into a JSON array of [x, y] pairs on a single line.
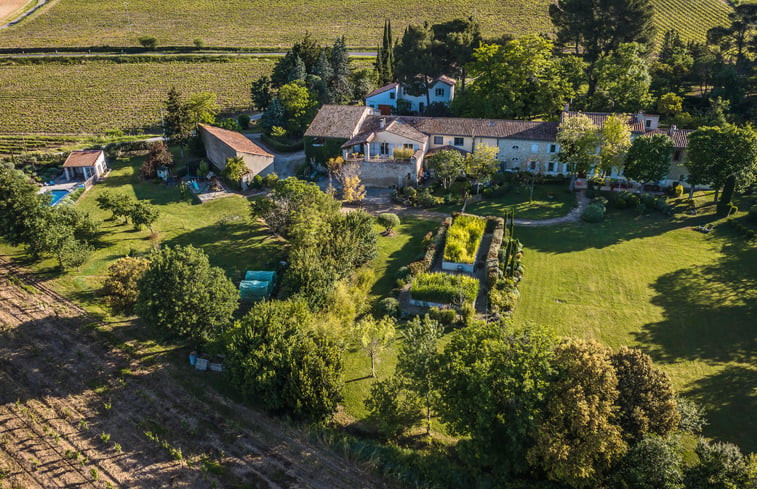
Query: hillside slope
[[259, 23]]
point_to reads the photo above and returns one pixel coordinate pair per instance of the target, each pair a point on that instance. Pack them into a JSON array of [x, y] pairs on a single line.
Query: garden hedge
[[444, 288]]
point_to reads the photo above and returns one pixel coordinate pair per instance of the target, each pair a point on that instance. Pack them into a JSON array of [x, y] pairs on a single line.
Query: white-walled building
[[85, 164], [384, 99], [372, 140]]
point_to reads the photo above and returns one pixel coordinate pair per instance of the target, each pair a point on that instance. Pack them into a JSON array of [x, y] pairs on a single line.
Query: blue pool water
[[57, 195]]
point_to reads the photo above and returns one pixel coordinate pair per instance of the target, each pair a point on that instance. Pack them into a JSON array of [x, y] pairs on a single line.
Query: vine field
[[265, 23], [97, 96]]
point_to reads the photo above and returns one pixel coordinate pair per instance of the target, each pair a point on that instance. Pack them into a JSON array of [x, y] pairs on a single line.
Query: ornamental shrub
[[388, 220], [244, 121], [648, 200], [257, 181], [593, 213], [389, 306], [444, 288], [463, 238], [445, 316], [270, 180], [678, 190]]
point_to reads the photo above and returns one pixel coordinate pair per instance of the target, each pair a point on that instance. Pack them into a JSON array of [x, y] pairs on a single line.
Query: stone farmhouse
[[384, 99], [391, 149], [222, 144]]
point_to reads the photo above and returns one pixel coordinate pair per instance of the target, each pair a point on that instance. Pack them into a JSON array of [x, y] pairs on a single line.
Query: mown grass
[[686, 298], [549, 201], [222, 228], [264, 23], [95, 96]]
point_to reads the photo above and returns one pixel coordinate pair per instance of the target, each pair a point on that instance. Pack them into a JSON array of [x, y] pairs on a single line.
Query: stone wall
[[388, 173]]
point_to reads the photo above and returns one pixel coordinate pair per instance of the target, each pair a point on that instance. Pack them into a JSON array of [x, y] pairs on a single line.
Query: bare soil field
[[8, 7], [76, 411]]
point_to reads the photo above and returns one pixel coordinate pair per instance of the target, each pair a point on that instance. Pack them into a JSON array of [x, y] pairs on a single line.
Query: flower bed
[[463, 239], [443, 288]]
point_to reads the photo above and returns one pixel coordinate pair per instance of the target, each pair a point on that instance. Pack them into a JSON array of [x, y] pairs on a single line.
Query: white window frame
[[535, 148]]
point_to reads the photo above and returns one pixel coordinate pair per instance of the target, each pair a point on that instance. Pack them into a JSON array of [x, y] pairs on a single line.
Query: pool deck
[[59, 186]]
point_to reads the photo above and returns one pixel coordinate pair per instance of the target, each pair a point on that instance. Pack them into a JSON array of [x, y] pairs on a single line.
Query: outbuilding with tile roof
[[83, 165], [222, 144]]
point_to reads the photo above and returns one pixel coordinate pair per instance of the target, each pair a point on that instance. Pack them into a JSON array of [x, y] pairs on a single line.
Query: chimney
[[382, 122]]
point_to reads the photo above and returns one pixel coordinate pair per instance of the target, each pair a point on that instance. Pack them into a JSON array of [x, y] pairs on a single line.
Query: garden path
[[375, 206]]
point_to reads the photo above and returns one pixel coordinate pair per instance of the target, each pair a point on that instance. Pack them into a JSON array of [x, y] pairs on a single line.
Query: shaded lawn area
[[222, 228], [686, 298], [549, 201]]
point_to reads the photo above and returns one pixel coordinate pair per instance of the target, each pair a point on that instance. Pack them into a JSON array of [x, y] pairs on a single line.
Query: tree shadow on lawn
[[618, 226], [235, 246], [411, 251], [730, 400], [710, 311]]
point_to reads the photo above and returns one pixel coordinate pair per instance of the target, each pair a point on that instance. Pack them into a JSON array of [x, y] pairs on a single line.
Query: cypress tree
[[385, 57], [339, 87]]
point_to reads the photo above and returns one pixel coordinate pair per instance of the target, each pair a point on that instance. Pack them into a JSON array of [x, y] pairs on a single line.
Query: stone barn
[[222, 144]]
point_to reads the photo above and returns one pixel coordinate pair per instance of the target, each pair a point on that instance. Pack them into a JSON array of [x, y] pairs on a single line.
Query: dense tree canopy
[[648, 158], [519, 79], [577, 439], [181, 293], [614, 141], [578, 138], [415, 63], [622, 81], [279, 359], [447, 165], [494, 379], [596, 28], [646, 398]]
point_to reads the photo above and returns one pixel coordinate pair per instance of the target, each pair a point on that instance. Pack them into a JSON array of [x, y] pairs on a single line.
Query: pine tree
[[339, 85], [178, 121]]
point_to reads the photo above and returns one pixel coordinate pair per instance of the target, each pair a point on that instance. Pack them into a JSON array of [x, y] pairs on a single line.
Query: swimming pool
[[58, 195]]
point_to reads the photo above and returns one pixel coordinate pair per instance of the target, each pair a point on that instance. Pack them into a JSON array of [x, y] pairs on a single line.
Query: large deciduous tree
[[646, 397], [299, 107], [494, 379], [577, 439], [446, 165], [578, 138], [418, 360], [622, 80], [22, 209], [120, 287], [519, 79], [178, 121], [182, 294], [598, 27], [652, 463], [648, 158], [482, 164], [614, 141], [281, 360], [722, 157]]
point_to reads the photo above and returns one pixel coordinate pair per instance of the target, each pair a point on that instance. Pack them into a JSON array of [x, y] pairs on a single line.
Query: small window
[[439, 92], [407, 146], [438, 140], [532, 165], [515, 159], [459, 141], [553, 148], [384, 148], [551, 166], [391, 95], [648, 123], [516, 148], [317, 142], [534, 148], [677, 155]]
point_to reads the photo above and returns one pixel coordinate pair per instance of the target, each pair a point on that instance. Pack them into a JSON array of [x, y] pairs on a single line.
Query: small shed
[[222, 144], [85, 164]]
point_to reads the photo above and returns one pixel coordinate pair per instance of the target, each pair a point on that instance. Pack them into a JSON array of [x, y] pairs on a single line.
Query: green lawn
[[688, 299], [222, 228], [549, 201]]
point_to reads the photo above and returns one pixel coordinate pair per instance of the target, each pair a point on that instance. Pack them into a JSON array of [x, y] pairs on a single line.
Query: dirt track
[[75, 412]]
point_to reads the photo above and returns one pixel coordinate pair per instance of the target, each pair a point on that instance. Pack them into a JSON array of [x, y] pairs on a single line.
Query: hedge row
[[444, 288], [492, 257], [424, 265]]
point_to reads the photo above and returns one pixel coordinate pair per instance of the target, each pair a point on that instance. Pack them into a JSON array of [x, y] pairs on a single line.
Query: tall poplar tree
[[385, 57]]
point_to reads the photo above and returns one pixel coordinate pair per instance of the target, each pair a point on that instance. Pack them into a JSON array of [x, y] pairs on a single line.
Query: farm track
[[62, 388]]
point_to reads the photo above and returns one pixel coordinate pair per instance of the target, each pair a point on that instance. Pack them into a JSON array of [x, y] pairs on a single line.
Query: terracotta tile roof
[[383, 89], [235, 140], [418, 128], [680, 137], [337, 121], [82, 158], [487, 128]]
